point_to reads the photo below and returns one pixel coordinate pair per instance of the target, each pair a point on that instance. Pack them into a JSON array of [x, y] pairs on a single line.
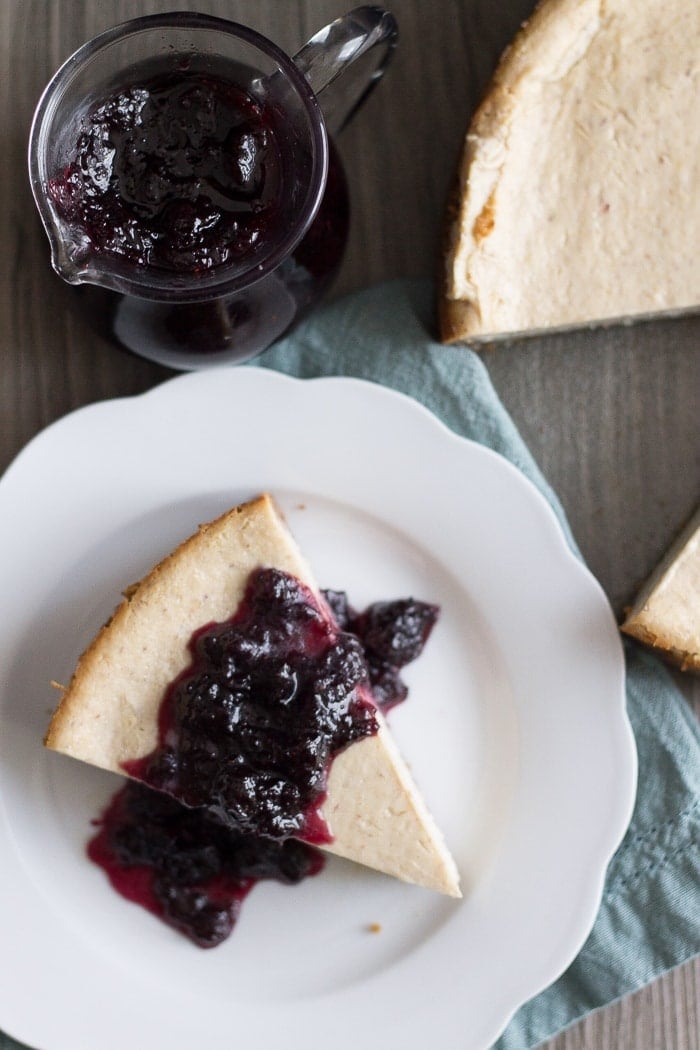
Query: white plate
[[515, 728]]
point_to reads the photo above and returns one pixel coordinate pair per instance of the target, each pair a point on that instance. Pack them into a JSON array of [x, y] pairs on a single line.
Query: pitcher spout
[[62, 261]]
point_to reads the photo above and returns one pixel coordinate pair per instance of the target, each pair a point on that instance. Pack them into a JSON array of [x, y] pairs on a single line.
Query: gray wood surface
[[612, 415]]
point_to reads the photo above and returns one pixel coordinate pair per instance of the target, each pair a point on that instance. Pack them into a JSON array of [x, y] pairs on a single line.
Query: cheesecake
[[110, 713], [576, 200], [666, 613]]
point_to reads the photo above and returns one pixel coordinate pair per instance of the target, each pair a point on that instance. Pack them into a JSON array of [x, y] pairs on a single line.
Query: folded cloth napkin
[[649, 920]]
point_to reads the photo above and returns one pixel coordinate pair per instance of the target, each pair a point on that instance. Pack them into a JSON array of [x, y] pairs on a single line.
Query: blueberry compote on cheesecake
[[271, 695], [247, 734]]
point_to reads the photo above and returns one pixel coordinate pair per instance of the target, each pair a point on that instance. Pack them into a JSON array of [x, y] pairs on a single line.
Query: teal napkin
[[649, 919]]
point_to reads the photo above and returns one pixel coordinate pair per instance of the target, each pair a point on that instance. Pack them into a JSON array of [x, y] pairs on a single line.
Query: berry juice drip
[[181, 172], [184, 866], [247, 736]]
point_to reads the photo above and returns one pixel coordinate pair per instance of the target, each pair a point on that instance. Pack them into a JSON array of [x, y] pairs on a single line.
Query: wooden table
[[611, 415]]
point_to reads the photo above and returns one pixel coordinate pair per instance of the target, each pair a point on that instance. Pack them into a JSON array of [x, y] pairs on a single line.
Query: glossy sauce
[[182, 172], [185, 174]]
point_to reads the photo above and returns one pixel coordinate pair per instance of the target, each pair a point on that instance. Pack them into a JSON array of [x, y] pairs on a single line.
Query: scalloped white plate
[[515, 728]]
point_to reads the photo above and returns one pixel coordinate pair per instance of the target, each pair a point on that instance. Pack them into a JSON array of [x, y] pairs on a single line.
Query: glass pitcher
[[220, 277]]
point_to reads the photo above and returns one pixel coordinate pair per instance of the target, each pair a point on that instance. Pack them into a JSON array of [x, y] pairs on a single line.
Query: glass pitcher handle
[[345, 59]]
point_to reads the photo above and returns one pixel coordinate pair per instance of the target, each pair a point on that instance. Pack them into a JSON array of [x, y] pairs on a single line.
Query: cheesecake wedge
[[666, 613], [109, 714]]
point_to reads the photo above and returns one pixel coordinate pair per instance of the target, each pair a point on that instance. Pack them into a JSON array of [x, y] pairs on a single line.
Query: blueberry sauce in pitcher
[[182, 174], [182, 171]]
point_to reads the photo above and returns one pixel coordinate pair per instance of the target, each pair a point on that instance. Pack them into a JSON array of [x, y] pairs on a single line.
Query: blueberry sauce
[[181, 171], [247, 736], [186, 867], [178, 174], [251, 726]]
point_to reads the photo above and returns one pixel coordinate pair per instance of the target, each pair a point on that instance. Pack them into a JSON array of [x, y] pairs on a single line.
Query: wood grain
[[611, 415]]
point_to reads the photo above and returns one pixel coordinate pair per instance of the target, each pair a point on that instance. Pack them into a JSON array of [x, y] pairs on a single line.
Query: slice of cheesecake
[[108, 715], [576, 199], [666, 612]]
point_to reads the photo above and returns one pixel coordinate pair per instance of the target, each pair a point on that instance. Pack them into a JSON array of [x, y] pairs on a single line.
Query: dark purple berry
[[397, 631]]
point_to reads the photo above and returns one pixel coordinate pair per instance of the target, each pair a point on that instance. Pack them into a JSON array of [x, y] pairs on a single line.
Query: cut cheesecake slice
[[108, 715], [576, 199], [666, 612]]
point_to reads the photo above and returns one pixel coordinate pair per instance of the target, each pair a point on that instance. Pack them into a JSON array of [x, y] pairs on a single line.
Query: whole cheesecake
[[576, 200]]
